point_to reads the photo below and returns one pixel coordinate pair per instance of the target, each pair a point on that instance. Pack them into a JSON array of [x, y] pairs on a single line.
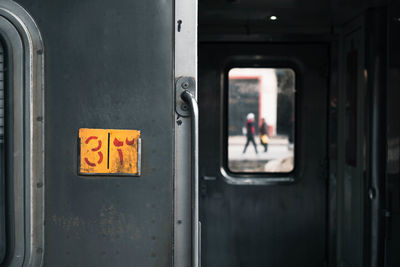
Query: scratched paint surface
[[123, 151], [105, 151]]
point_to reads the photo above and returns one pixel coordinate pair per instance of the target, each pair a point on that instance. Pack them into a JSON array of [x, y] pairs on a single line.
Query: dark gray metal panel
[[2, 159], [376, 63], [333, 152], [393, 139], [280, 225], [108, 65], [351, 186]]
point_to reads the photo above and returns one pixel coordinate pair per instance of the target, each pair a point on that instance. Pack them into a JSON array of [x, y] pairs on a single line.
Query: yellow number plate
[[105, 151]]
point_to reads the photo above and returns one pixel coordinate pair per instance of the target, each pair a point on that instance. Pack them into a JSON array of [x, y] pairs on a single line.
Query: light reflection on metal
[[233, 180], [190, 99]]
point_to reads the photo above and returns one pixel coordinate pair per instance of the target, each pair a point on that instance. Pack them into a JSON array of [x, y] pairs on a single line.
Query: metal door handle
[[191, 101]]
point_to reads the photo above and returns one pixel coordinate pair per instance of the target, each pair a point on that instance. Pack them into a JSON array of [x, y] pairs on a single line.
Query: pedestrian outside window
[[261, 106]]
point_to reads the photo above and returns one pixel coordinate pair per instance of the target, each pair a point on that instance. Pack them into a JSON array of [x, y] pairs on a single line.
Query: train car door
[[111, 65], [255, 210]]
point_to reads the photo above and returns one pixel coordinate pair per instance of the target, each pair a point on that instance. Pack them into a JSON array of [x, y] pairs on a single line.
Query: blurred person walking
[[250, 131], [264, 134]]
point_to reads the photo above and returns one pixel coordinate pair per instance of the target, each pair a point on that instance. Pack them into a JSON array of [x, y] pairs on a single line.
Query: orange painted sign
[[105, 151]]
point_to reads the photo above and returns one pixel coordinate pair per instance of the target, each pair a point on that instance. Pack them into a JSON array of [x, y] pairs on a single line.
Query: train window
[[261, 122], [22, 142]]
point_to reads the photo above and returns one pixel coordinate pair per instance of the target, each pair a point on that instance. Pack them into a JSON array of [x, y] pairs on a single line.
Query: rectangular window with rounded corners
[[22, 145], [261, 119]]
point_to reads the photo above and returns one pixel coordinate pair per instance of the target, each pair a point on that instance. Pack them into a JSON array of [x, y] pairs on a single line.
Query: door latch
[[183, 84]]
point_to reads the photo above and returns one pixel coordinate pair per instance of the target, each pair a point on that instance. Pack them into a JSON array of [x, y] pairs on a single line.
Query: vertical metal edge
[[340, 152], [376, 62], [194, 177], [33, 119], [185, 65], [199, 244]]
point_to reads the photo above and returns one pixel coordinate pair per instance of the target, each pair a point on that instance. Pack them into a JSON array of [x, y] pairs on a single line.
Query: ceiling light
[[273, 18]]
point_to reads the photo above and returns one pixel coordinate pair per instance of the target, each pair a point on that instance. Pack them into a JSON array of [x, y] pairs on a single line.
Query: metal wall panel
[[376, 66], [351, 186], [392, 255], [109, 64], [2, 159], [265, 225]]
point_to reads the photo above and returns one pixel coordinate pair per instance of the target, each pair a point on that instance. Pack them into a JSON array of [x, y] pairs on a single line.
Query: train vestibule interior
[[297, 162], [299, 165]]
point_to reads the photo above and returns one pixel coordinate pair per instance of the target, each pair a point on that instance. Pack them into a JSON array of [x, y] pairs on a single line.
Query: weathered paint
[[106, 151], [124, 151]]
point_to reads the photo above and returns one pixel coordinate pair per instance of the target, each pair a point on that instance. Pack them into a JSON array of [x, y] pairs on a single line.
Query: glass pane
[[261, 120]]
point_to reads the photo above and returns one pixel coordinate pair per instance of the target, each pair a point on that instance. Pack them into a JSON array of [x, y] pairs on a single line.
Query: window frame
[[24, 81], [257, 178]]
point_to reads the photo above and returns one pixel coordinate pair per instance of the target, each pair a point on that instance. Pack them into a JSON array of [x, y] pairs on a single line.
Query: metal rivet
[[185, 85], [184, 107]]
